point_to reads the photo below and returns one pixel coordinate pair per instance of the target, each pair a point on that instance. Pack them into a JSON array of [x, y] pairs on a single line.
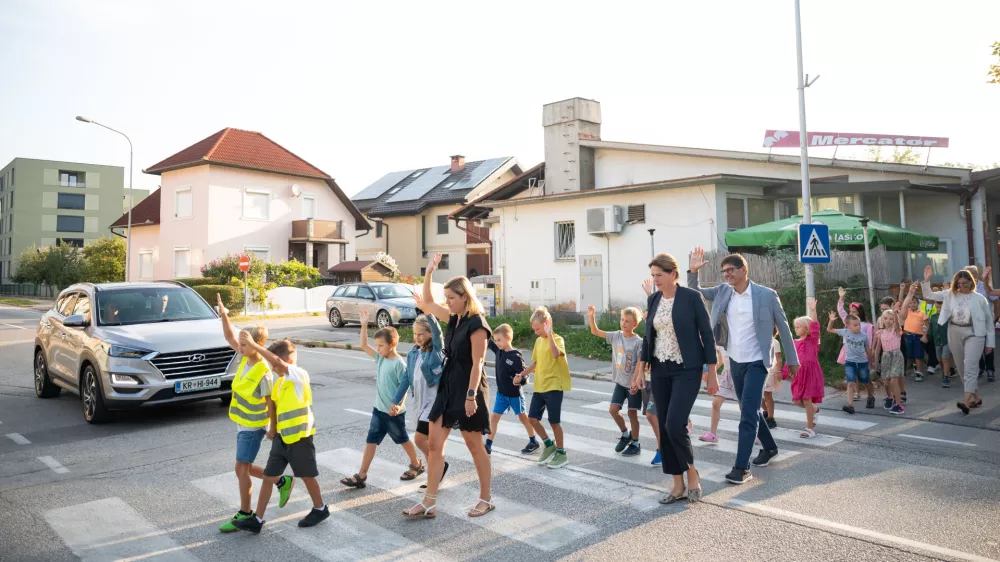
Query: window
[[74, 242], [64, 306], [182, 262], [76, 201], [365, 293], [352, 291], [257, 204], [939, 260], [788, 208], [340, 291], [145, 264], [444, 262], [637, 213], [423, 271], [741, 213], [343, 253], [183, 203], [308, 207], [65, 223], [263, 253], [442, 224], [565, 234], [735, 219], [82, 306], [71, 179]]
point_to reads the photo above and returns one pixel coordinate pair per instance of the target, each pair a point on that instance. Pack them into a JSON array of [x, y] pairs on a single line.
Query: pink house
[[239, 192]]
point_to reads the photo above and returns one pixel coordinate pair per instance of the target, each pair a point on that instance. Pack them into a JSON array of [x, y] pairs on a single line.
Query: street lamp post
[[804, 146], [131, 199]]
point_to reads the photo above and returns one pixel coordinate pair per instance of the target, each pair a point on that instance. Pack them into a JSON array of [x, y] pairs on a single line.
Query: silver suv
[[127, 345]]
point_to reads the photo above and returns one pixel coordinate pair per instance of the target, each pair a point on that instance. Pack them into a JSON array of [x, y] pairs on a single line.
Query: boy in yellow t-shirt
[[551, 379]]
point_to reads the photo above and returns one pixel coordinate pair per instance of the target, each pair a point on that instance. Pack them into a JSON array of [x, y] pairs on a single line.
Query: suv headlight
[[124, 351]]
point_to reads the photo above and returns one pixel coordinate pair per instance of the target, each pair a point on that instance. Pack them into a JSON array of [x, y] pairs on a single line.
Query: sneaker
[[249, 524], [531, 447], [764, 457], [991, 376], [285, 485], [771, 424], [489, 448], [229, 526], [847, 408], [632, 450], [887, 404], [897, 409], [622, 443], [315, 517], [932, 370], [918, 376], [870, 403], [904, 397], [547, 453], [709, 438], [559, 460], [657, 459], [945, 382], [739, 476], [981, 373]]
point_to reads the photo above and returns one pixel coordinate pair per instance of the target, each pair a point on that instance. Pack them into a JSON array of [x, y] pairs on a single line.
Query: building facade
[[45, 201]]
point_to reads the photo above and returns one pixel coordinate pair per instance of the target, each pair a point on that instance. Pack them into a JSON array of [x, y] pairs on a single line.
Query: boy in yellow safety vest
[[291, 431], [248, 409]]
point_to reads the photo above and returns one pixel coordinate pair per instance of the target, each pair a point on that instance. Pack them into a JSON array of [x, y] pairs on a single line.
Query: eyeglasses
[[730, 270]]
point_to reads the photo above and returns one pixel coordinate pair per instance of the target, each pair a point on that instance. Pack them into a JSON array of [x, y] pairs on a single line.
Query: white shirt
[[743, 345], [666, 348]]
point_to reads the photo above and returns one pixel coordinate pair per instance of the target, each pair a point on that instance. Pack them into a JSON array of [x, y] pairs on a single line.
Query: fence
[[293, 300], [29, 290]]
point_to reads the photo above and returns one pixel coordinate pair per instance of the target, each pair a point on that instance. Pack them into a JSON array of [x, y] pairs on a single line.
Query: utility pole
[[804, 144]]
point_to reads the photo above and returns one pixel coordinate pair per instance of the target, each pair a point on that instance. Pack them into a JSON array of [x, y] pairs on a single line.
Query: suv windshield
[[391, 291], [146, 305]]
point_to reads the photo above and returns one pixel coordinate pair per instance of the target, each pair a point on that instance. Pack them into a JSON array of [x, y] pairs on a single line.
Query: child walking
[[726, 392], [388, 416], [807, 385], [248, 409], [509, 369], [291, 431], [888, 355], [552, 379], [915, 330], [939, 337], [857, 357], [773, 383], [626, 349], [857, 309]]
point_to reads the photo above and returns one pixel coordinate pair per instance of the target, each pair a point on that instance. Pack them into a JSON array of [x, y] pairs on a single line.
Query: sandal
[[474, 511], [694, 494], [964, 408], [412, 472], [426, 512], [443, 472], [670, 498], [808, 434], [355, 481]]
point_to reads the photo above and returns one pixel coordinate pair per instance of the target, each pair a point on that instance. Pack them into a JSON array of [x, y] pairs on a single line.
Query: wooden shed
[[359, 271]]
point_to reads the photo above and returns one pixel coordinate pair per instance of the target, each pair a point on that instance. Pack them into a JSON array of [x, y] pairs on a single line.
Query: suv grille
[[182, 365]]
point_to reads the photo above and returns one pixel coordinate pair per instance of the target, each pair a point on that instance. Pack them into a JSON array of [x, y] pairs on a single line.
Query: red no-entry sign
[[244, 263]]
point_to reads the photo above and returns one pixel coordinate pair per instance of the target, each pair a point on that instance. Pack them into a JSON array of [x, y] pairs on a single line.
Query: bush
[[293, 273], [198, 281], [228, 267], [59, 266], [232, 297], [104, 260]]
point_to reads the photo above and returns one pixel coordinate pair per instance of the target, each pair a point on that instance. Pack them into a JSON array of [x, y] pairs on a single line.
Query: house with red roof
[[237, 192]]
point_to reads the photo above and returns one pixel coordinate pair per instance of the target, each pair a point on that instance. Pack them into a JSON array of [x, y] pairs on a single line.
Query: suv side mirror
[[76, 321]]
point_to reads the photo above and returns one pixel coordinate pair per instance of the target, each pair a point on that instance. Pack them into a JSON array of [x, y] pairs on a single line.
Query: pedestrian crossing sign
[[814, 243]]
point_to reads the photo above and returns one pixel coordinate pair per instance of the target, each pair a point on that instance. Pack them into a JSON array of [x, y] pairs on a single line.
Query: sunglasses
[[730, 270]]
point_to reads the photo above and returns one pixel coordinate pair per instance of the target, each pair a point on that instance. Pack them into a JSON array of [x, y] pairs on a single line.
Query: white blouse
[[961, 308], [666, 348]]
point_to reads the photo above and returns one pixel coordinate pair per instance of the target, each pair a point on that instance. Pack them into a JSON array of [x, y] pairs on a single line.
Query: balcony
[[312, 230]]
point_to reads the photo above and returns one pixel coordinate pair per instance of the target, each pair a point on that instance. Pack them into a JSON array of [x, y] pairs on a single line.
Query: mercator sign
[[790, 139]]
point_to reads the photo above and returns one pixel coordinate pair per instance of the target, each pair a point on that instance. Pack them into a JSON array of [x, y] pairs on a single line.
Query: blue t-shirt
[[390, 372]]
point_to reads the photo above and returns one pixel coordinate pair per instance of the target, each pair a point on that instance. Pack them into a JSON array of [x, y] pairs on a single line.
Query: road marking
[[105, 530], [881, 538], [345, 356], [779, 433], [55, 465], [935, 439], [828, 417], [18, 438], [13, 326], [541, 529]]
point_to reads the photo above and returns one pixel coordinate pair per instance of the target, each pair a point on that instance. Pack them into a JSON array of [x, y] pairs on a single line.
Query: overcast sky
[[363, 88]]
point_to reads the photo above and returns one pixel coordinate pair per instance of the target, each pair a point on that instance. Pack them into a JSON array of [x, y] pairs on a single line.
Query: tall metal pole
[[868, 265], [804, 144], [652, 249]]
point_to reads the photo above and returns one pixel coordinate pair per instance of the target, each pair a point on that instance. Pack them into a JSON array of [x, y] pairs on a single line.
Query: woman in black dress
[[461, 395]]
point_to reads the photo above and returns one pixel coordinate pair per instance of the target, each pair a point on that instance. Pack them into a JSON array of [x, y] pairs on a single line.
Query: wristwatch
[[470, 394]]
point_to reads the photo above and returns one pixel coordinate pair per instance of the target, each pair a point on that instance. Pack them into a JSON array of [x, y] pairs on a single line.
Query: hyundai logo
[[197, 357]]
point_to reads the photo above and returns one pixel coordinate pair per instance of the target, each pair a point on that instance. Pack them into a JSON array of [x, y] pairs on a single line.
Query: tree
[[104, 260], [905, 156], [970, 165], [59, 266], [994, 72]]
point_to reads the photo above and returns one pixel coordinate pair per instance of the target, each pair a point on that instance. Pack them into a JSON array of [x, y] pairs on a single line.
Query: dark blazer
[[692, 326]]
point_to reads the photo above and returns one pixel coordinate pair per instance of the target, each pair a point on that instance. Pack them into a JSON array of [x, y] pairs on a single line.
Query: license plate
[[195, 385]]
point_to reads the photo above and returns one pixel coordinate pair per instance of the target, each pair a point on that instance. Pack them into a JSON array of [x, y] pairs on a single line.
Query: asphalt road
[[155, 485]]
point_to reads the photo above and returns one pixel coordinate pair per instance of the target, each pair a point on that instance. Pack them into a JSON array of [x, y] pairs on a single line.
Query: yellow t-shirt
[[551, 373]]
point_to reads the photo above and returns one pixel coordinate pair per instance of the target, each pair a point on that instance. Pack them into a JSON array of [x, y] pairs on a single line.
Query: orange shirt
[[915, 322]]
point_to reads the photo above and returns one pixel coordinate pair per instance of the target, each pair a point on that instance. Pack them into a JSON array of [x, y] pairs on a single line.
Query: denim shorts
[[503, 403], [914, 347], [857, 372], [248, 444], [623, 394], [551, 401], [383, 424], [942, 352]]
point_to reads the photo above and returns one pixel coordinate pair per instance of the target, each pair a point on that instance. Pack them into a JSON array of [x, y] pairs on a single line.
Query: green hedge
[[232, 297], [197, 281]]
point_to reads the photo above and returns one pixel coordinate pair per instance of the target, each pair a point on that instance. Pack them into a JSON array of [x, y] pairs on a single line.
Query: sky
[[360, 89]]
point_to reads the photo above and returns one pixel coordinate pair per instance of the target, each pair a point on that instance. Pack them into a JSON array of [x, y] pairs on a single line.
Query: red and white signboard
[[790, 139], [244, 263]]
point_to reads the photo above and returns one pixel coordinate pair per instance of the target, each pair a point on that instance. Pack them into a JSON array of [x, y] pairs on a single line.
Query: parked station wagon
[[389, 304]]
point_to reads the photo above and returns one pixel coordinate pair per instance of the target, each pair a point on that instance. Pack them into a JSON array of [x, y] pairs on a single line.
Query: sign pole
[[868, 265], [803, 143], [245, 294]]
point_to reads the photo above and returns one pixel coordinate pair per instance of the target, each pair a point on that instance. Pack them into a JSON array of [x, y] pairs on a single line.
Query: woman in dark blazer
[[678, 343]]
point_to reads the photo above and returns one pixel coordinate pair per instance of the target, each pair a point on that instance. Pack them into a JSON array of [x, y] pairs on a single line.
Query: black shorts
[[301, 455], [423, 428], [542, 401], [622, 394]]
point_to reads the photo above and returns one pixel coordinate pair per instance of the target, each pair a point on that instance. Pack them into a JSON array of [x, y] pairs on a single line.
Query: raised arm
[[925, 288], [437, 339], [647, 287], [277, 364], [840, 305], [696, 261], [591, 311], [227, 326], [364, 335], [829, 325], [431, 307], [553, 347], [904, 307]]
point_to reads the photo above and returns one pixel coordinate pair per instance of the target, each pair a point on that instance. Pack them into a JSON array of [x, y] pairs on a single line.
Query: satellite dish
[[296, 190]]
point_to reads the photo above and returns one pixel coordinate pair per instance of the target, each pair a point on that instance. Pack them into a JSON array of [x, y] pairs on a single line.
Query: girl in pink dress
[[807, 385]]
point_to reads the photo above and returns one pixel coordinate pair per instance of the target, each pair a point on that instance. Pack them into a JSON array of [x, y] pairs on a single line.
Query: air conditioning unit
[[608, 219]]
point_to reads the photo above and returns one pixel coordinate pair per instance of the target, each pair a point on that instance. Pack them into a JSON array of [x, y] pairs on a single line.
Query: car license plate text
[[207, 383]]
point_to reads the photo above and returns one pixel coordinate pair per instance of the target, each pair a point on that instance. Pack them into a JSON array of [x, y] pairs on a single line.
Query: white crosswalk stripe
[[347, 536], [538, 528], [830, 419]]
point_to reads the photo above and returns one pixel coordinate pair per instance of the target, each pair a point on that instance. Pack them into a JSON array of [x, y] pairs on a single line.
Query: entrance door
[[592, 282]]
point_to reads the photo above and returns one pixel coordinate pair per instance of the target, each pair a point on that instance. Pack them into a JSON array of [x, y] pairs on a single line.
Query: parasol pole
[[868, 265]]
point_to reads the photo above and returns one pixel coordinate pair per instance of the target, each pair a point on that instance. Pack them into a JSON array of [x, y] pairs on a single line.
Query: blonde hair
[[666, 262], [424, 323], [888, 314], [258, 333], [504, 329], [463, 288], [802, 321], [541, 315], [632, 312]]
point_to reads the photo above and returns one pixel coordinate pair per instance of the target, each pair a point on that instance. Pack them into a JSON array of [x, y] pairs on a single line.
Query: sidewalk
[[37, 304]]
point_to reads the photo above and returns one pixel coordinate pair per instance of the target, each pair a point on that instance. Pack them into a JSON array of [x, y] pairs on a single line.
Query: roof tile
[[145, 213]]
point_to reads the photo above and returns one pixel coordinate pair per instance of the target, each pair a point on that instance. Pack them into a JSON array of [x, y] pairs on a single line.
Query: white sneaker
[[932, 370]]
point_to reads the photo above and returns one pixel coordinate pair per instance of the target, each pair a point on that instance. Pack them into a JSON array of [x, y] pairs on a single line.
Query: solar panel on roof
[[421, 185], [482, 171], [382, 185]]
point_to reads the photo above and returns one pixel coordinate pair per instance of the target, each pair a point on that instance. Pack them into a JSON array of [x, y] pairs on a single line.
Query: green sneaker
[[228, 526], [547, 454], [559, 460], [285, 486]]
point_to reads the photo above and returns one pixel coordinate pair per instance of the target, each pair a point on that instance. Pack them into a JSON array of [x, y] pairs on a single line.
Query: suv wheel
[[383, 320], [335, 320], [94, 410], [43, 385]]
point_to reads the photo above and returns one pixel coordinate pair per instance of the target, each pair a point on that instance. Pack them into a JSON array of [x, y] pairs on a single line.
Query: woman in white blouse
[[969, 318]]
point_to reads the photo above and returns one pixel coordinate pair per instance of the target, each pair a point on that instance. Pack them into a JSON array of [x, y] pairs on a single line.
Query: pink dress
[[865, 327], [808, 382]]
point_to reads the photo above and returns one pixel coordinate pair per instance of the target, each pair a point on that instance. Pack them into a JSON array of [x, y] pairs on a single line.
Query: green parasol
[[845, 233]]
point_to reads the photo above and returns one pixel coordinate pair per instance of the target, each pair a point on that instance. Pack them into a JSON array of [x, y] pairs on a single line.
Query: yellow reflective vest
[[244, 409], [928, 309], [295, 416]]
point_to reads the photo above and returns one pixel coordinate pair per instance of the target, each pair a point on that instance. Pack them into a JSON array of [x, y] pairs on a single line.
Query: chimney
[[457, 163], [569, 166]]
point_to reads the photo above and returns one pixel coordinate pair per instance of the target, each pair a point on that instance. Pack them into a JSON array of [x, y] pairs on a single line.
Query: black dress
[[452, 391]]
